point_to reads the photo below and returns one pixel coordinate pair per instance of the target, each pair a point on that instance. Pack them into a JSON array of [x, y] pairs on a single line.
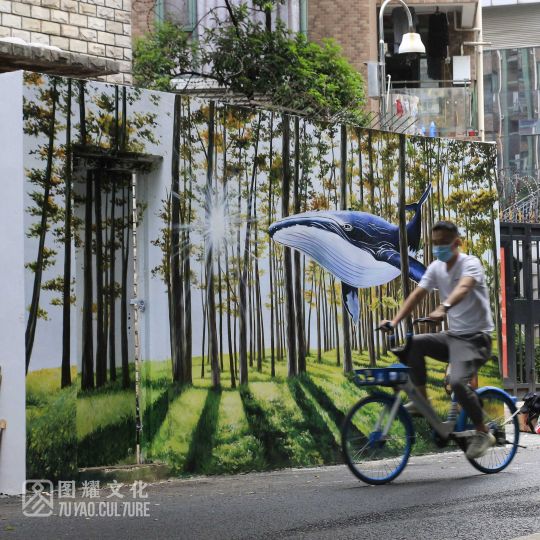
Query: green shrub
[[52, 439]]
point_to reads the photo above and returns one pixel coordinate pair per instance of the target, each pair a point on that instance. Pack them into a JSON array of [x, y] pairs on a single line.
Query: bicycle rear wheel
[[372, 457], [498, 410]]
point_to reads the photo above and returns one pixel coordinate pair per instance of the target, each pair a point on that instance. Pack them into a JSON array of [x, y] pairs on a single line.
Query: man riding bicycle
[[466, 345]]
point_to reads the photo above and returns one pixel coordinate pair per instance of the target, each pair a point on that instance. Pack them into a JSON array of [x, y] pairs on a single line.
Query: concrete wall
[[12, 304]]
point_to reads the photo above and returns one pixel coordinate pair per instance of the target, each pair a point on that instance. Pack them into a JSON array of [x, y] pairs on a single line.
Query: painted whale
[[358, 248]]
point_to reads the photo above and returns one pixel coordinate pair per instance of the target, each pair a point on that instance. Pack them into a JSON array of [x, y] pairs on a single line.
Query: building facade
[[512, 91], [429, 93], [196, 15]]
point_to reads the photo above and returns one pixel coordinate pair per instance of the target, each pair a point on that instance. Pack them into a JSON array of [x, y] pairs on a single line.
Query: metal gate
[[520, 285]]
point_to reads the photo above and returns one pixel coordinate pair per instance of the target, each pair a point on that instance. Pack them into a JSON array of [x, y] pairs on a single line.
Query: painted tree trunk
[[126, 218], [38, 274], [220, 303], [250, 314], [318, 311], [186, 253], [87, 375], [336, 322], [257, 299], [188, 331], [271, 248], [101, 359], [112, 286], [290, 324], [177, 287], [245, 268], [403, 243], [66, 292], [229, 334], [347, 352], [210, 292], [298, 296]]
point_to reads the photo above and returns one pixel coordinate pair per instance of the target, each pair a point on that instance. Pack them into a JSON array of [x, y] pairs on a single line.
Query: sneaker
[[479, 444]]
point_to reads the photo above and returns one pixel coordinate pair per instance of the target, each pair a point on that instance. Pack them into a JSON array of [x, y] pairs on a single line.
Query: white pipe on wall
[[480, 73]]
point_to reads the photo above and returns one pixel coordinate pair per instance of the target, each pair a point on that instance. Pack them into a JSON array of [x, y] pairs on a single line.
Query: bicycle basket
[[389, 376]]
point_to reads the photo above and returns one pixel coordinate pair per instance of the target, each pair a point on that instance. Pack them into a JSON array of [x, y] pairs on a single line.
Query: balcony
[[431, 111]]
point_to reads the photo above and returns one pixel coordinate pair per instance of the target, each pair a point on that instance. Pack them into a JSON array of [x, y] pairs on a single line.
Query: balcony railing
[[432, 111]]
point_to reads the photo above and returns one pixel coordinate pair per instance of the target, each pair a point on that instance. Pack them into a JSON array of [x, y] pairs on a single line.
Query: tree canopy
[[250, 58]]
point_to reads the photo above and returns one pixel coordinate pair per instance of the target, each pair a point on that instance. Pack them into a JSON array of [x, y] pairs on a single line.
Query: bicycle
[[378, 432]]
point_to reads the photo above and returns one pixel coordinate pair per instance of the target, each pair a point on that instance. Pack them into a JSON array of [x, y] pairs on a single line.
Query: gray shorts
[[465, 353]]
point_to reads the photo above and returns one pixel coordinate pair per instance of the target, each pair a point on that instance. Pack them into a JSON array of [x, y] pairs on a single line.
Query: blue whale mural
[[358, 248]]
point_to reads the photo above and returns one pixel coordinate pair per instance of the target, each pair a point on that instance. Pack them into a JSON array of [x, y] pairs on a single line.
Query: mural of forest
[[245, 344]]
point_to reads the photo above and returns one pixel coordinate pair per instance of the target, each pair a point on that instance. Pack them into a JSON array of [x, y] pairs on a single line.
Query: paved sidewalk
[[530, 440]]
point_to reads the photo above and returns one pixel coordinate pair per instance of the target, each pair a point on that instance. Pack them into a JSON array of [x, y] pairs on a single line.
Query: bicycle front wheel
[[498, 416], [371, 455]]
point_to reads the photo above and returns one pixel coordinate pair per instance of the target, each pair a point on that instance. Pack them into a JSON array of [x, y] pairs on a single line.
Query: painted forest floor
[[269, 423]]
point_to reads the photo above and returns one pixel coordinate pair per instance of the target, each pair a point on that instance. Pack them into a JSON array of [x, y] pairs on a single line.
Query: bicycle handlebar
[[426, 320], [387, 327]]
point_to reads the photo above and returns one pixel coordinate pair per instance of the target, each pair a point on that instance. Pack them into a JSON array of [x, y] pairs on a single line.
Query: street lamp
[[410, 43]]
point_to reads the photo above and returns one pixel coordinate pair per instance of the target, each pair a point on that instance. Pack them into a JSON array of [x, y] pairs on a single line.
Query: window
[[182, 12]]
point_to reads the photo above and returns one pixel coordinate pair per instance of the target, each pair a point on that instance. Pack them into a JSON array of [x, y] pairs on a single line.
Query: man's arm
[[410, 303], [461, 290]]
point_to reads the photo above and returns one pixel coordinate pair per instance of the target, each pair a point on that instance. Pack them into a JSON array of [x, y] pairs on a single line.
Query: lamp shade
[[411, 43]]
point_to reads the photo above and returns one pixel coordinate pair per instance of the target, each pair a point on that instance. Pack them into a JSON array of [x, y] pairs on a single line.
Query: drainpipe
[[303, 17], [480, 72]]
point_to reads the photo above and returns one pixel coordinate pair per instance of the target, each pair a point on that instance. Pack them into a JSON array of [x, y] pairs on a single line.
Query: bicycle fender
[[500, 391], [460, 424]]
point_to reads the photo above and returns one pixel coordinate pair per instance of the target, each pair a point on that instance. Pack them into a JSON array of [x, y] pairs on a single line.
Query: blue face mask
[[443, 253]]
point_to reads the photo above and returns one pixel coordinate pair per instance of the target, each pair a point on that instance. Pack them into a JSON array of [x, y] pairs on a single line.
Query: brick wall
[[354, 26], [143, 15], [96, 27]]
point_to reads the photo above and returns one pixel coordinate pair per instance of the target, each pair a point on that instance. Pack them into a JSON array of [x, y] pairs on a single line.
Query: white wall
[[12, 298]]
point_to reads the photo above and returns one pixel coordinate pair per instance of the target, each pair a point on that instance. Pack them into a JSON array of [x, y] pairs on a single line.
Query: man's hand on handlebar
[[386, 326], [438, 314]]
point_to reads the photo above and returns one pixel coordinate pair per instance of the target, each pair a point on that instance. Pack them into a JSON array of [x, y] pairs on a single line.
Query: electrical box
[[461, 69], [373, 79]]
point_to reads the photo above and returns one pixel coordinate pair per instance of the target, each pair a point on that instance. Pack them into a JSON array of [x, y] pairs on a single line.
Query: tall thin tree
[[47, 183], [66, 292], [112, 286], [292, 368], [298, 294], [210, 292], [101, 360], [177, 289], [347, 353], [244, 266]]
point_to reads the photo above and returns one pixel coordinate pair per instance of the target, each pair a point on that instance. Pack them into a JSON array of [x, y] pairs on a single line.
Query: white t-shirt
[[473, 313]]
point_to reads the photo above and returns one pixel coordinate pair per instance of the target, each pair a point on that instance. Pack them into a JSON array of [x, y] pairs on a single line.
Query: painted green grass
[[236, 448], [97, 411], [284, 415], [42, 384], [278, 422], [270, 423], [172, 441]]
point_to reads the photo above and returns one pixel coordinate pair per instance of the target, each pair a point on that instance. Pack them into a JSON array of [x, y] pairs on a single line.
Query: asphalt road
[[437, 497]]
